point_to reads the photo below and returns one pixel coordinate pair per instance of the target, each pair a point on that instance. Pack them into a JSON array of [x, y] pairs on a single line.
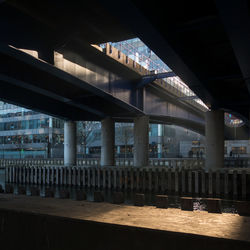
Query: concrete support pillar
[[141, 141], [159, 150], [70, 143], [108, 141], [214, 139], [118, 149]]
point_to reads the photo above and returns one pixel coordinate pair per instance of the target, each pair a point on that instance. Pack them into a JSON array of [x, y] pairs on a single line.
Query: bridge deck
[[227, 226]]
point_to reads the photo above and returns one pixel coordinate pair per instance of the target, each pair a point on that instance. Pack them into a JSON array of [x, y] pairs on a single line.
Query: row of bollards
[[161, 201]]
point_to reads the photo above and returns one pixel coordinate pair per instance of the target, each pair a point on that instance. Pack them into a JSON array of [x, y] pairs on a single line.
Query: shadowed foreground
[[49, 223]]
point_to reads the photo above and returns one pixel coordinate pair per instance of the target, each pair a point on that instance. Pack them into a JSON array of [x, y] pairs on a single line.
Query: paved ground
[[230, 226]]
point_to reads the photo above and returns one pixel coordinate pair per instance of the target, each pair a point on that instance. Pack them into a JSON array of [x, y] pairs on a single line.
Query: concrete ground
[[228, 226]]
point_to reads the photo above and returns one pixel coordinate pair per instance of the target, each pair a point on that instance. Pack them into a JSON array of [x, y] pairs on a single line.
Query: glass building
[[28, 134]]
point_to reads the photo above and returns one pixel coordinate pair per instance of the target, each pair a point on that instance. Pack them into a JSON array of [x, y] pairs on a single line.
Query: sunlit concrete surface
[[226, 225]]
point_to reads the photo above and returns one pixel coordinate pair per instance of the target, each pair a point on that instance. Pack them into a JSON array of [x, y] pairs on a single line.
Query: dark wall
[[22, 230], [240, 133]]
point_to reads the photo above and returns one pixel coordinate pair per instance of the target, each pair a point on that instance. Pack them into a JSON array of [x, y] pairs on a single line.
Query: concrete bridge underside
[[85, 84], [75, 81]]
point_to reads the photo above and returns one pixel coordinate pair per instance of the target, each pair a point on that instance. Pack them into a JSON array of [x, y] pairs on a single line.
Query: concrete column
[[69, 143], [141, 141], [108, 141], [159, 151], [214, 139], [118, 149]]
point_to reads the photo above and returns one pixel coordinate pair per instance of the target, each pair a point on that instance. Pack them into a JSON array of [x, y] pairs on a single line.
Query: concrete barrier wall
[[221, 183], [23, 230]]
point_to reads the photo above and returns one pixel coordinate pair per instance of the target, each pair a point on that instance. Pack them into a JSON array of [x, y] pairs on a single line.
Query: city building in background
[[164, 141], [28, 134]]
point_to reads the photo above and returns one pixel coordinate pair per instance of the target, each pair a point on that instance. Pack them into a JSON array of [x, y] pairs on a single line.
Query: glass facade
[[139, 52], [24, 124], [28, 134]]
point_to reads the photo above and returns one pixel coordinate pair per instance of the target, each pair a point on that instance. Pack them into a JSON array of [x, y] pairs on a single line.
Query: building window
[[239, 150], [196, 143]]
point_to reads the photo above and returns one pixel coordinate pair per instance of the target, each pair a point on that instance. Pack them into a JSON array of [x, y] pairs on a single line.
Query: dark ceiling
[[194, 30], [205, 42], [86, 20]]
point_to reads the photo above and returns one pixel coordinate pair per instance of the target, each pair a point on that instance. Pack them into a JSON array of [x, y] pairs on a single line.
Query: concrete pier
[[69, 143], [141, 141], [107, 142], [214, 139]]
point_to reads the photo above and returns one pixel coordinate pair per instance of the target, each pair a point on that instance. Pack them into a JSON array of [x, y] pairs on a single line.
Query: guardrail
[[221, 183]]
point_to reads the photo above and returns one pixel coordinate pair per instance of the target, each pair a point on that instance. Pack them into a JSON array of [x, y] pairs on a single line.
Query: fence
[[221, 183], [168, 162]]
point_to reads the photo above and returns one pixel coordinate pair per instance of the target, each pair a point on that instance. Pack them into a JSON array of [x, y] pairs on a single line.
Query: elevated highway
[[70, 79], [205, 43], [202, 47]]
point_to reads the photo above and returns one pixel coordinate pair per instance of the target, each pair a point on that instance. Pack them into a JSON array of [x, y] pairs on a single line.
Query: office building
[[28, 134]]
